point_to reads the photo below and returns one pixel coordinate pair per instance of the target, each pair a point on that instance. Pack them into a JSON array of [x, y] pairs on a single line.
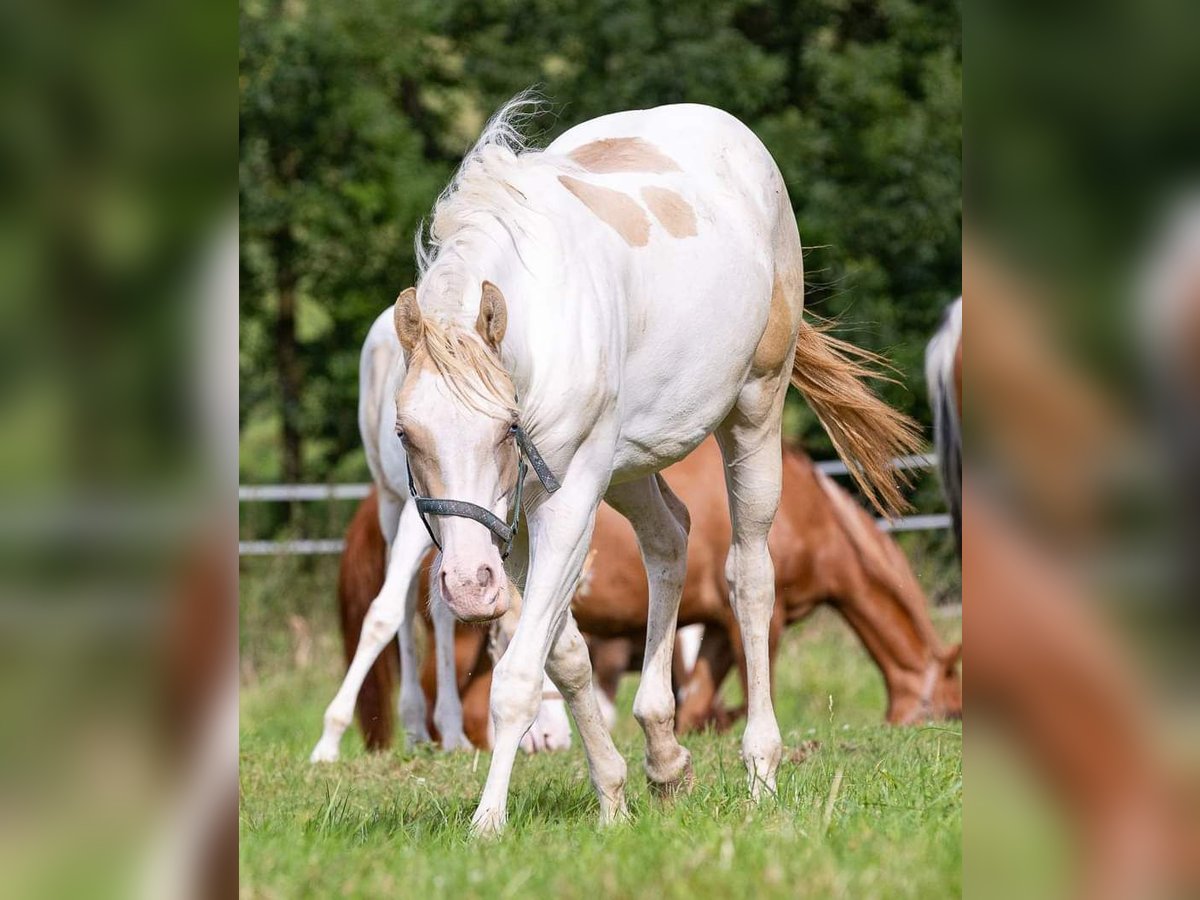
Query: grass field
[[395, 824]]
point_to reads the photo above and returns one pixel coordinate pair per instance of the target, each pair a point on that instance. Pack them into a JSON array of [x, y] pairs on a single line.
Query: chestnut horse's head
[[936, 694]]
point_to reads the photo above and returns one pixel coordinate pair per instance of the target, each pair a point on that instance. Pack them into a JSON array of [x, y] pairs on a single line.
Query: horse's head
[[456, 415], [937, 694]]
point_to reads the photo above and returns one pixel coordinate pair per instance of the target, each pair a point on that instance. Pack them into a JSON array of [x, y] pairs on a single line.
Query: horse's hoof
[[417, 738], [613, 811], [488, 824], [762, 786], [679, 786], [323, 754]]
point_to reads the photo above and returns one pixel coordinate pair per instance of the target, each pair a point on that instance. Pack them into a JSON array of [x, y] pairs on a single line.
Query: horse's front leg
[[559, 533]]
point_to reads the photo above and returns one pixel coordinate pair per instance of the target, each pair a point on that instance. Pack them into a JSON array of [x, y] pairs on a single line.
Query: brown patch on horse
[[773, 348], [422, 454], [672, 211], [616, 210], [627, 154], [419, 442]]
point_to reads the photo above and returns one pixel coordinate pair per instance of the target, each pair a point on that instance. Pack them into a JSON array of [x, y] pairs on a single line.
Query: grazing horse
[[825, 549], [943, 376], [593, 311]]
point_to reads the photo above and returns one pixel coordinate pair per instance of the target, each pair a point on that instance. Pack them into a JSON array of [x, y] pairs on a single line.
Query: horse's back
[[718, 236], [706, 144]]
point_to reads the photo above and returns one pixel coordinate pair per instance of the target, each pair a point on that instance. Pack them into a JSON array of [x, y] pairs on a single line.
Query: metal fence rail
[[286, 493]]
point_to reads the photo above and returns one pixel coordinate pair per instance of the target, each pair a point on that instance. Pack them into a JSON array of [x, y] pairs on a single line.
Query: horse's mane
[[483, 203], [485, 193]]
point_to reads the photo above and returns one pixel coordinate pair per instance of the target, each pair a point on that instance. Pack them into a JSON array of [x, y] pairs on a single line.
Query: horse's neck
[[902, 647], [553, 351]]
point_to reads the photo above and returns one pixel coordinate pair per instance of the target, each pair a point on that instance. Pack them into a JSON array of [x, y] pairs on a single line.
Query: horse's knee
[[654, 709], [570, 664], [379, 625], [515, 695]]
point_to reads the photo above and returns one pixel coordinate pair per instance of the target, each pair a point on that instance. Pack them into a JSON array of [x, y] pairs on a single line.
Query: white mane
[[483, 202]]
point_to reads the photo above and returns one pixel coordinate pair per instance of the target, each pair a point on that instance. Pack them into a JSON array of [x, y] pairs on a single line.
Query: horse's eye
[[513, 428], [400, 434]]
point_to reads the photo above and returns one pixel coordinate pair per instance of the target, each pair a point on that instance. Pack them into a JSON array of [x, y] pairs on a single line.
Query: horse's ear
[[408, 319], [493, 316]]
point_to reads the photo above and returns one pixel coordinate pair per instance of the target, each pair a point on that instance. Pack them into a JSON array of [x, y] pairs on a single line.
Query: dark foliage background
[[354, 115]]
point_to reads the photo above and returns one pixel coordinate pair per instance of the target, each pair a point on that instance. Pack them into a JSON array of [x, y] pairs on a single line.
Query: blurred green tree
[[353, 116]]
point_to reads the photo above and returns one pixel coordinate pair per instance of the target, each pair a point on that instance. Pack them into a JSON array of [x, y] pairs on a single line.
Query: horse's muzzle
[[474, 593]]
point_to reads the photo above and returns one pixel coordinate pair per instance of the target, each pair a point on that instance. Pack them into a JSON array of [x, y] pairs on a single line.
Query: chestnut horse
[[826, 549]]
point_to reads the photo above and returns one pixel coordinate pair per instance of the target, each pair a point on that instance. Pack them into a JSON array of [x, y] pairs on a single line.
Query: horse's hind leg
[[661, 524], [570, 668], [447, 709], [750, 443], [389, 613]]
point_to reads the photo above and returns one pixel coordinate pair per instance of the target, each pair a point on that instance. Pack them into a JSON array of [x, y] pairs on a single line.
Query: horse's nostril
[[445, 586], [484, 575]]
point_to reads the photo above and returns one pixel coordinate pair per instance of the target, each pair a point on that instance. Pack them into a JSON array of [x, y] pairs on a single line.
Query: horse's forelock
[[469, 369]]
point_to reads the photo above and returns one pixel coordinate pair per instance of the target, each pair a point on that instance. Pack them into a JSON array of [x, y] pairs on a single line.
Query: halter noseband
[[506, 531]]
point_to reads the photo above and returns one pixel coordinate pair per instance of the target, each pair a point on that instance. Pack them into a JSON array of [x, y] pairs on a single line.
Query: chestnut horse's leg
[[661, 523], [699, 694], [750, 443]]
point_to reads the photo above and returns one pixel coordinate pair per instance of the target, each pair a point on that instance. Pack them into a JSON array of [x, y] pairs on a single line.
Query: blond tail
[[866, 432]]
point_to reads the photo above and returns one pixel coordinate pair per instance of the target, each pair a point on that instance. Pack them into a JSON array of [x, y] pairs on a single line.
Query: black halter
[[506, 531]]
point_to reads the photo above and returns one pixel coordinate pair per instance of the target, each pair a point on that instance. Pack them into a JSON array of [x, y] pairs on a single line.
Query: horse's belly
[[692, 334]]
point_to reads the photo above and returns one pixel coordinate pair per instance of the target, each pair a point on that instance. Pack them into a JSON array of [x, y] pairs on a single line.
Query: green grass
[[397, 823]]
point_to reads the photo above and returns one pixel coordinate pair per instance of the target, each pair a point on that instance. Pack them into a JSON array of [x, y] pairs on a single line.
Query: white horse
[[943, 377], [393, 612], [610, 301]]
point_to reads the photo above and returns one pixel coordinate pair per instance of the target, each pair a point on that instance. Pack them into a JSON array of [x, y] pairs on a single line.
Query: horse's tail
[[941, 368], [866, 432], [360, 579]]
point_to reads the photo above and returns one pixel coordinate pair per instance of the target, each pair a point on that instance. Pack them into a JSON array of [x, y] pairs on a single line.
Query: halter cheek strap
[[505, 531]]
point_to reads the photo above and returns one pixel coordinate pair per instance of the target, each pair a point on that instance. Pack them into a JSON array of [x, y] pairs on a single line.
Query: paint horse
[[393, 613], [593, 311]]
